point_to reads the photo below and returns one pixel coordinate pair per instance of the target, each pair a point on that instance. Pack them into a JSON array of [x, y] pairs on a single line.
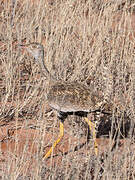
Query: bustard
[[66, 97]]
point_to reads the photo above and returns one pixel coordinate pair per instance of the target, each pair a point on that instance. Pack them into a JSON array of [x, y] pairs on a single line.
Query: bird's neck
[[45, 71]]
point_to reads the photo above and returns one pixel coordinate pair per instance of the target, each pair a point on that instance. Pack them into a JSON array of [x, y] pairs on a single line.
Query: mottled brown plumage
[[72, 97], [66, 97]]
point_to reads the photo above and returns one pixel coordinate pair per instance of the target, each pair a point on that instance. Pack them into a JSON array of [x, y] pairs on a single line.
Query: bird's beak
[[29, 50], [23, 45]]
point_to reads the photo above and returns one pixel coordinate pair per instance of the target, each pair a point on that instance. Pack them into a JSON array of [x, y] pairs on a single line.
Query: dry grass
[[79, 37]]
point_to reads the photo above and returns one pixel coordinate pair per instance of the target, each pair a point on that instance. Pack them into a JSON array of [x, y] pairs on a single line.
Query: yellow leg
[[56, 142], [92, 128]]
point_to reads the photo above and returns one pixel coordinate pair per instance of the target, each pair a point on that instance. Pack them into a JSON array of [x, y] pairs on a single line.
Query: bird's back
[[72, 97]]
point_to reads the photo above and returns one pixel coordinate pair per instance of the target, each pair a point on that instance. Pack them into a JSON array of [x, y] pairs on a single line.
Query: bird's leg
[[92, 128], [56, 142], [62, 117]]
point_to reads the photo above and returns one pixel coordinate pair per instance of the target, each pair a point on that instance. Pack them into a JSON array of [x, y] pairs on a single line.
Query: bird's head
[[35, 49]]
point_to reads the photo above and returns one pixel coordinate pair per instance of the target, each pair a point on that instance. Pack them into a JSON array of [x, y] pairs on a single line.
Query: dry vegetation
[[79, 37]]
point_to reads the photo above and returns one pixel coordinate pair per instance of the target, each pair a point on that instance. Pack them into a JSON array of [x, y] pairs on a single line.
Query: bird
[[66, 97]]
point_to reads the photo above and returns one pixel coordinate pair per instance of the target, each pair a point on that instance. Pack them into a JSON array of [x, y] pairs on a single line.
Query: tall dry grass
[[80, 37]]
